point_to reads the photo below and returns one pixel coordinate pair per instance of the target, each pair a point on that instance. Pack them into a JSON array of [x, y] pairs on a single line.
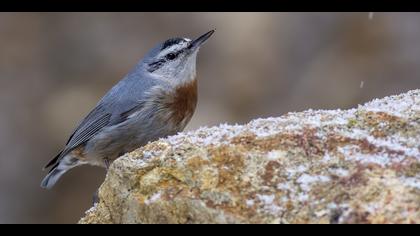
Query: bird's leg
[[96, 194], [106, 161], [95, 198]]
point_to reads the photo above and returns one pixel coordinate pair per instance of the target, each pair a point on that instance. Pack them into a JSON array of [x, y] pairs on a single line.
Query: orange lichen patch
[[374, 118], [196, 162], [270, 173], [251, 141], [306, 140], [230, 166], [245, 139], [173, 173], [310, 142], [184, 102], [230, 163], [364, 145], [139, 197], [238, 206], [209, 178], [383, 124], [276, 142], [335, 141], [227, 156]]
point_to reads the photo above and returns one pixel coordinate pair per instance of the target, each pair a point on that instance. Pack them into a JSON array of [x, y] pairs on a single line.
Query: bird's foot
[[95, 198], [106, 161]]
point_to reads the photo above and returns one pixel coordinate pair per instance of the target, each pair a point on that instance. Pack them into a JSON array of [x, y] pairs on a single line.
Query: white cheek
[[176, 74]]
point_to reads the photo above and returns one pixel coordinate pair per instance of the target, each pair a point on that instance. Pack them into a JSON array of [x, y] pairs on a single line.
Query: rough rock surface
[[354, 166]]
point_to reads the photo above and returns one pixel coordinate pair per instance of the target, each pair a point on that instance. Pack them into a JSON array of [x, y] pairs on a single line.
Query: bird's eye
[[170, 56]]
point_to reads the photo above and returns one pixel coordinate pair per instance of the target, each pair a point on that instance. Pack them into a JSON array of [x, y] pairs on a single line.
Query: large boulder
[[338, 166]]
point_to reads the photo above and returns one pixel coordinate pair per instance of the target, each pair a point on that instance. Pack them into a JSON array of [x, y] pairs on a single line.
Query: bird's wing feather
[[90, 125], [86, 132], [93, 115], [136, 107], [97, 119], [113, 109]]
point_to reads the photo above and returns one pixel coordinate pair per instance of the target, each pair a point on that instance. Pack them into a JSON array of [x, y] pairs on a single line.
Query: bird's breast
[[169, 108], [182, 103]]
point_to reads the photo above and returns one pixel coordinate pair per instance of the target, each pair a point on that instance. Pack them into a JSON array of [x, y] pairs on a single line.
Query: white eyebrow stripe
[[173, 48]]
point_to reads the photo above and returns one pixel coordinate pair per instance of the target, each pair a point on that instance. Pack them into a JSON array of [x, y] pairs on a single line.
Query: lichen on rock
[[342, 166]]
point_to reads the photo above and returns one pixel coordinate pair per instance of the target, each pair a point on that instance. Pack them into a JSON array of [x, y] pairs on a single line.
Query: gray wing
[[97, 119], [94, 121], [90, 125], [113, 109]]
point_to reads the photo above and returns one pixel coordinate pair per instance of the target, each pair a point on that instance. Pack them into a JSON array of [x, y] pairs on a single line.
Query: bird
[[156, 99]]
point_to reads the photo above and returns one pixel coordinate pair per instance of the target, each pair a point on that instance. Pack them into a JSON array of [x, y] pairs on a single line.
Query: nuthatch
[[156, 99]]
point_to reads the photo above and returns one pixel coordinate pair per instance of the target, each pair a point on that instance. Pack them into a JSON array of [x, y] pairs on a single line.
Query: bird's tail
[[61, 167], [52, 177]]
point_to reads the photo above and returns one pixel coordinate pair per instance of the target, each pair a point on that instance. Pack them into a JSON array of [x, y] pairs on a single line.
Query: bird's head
[[175, 59]]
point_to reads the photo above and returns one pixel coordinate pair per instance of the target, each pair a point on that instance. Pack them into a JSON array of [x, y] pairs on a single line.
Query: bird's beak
[[196, 43]]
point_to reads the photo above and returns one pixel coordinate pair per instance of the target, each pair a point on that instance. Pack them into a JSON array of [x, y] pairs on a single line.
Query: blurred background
[[54, 67]]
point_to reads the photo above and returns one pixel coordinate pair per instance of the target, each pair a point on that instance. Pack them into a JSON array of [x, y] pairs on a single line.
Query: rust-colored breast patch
[[184, 101]]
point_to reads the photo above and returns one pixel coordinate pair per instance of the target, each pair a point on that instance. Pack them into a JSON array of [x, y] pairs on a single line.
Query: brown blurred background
[[54, 67]]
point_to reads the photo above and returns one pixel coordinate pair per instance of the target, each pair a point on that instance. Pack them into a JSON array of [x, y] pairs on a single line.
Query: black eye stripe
[[159, 63], [155, 65]]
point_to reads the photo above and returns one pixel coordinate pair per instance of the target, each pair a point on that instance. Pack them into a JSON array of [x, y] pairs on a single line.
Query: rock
[[354, 166]]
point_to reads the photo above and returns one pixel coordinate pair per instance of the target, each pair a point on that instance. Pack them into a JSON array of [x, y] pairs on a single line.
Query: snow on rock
[[342, 166]]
